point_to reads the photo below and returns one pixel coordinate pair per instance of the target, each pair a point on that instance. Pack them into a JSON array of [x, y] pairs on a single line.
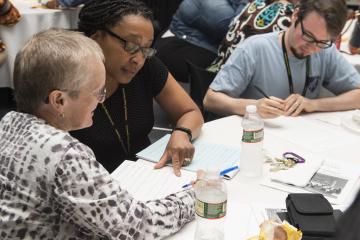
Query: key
[[278, 168]]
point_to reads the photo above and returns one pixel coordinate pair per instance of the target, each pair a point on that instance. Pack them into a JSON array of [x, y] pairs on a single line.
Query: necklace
[[287, 64], [127, 132]]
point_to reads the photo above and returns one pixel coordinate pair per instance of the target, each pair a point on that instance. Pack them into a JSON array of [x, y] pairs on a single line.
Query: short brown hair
[[52, 59], [333, 11]]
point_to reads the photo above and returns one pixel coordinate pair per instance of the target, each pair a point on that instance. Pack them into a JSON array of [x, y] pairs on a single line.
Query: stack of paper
[[207, 155], [144, 182]]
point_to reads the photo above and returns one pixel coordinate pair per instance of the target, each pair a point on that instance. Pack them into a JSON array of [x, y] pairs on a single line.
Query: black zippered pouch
[[311, 213]]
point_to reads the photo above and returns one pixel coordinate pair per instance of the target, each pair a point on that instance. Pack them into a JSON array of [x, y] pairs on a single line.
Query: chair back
[[199, 79]]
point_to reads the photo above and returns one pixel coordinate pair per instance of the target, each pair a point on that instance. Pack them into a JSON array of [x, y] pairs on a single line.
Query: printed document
[[336, 180], [144, 182], [207, 154]]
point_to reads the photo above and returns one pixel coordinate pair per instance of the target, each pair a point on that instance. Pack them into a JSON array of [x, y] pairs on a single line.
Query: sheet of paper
[[336, 180], [263, 212], [207, 155], [298, 175], [327, 136], [145, 183], [330, 118], [240, 223]]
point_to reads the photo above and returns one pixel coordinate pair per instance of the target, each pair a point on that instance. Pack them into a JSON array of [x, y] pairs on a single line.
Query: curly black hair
[[100, 14]]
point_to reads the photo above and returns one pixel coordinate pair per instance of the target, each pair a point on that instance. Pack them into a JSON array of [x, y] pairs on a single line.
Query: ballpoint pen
[[222, 173], [261, 91]]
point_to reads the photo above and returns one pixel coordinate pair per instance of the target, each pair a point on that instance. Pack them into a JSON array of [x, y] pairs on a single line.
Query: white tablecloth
[[246, 196], [31, 22]]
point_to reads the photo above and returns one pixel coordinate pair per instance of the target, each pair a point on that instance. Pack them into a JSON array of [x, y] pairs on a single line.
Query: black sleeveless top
[[101, 137]]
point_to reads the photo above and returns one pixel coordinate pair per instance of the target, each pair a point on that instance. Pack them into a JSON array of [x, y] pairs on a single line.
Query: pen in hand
[[222, 173]]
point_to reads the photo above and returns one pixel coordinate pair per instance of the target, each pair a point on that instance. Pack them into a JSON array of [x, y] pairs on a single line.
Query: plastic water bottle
[[251, 156], [211, 200]]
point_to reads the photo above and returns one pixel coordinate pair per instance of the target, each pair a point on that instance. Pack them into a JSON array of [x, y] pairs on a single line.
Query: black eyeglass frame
[[131, 47], [307, 37]]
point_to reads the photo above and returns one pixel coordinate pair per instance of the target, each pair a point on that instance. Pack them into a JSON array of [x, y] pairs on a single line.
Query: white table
[[31, 22], [244, 192]]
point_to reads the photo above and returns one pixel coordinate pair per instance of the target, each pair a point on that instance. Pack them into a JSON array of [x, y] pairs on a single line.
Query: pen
[[261, 91], [222, 173], [187, 185]]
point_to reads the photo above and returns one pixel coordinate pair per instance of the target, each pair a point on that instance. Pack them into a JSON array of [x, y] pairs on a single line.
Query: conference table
[[33, 20], [322, 134]]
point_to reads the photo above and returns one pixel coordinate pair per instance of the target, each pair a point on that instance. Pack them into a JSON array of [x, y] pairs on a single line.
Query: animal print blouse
[[51, 187]]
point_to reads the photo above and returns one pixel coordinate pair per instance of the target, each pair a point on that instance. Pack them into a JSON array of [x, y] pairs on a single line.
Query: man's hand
[[178, 149], [270, 107], [295, 104]]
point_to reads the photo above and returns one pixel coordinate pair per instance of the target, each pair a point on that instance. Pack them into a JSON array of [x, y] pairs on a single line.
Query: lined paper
[[207, 155], [145, 183]]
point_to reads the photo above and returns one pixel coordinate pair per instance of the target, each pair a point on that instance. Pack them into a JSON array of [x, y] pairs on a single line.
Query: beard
[[296, 54]]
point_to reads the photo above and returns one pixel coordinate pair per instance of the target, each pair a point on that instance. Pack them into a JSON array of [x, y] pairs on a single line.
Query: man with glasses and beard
[[282, 73]]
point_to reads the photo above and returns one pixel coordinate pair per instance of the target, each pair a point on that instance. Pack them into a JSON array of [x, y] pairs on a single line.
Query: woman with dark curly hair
[[134, 78]]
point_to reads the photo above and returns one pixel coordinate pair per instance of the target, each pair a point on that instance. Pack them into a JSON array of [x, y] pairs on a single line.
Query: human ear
[[295, 15], [97, 36], [57, 100]]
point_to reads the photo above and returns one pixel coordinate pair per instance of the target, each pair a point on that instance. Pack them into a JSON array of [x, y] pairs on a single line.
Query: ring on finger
[[187, 161]]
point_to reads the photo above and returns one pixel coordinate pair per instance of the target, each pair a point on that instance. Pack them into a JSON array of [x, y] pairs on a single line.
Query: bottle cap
[[251, 108]]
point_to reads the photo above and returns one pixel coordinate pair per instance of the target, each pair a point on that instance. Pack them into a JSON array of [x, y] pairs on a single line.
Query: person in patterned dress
[[51, 186]]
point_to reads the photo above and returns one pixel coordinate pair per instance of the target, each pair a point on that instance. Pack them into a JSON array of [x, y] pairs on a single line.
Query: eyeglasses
[[308, 37], [131, 47], [100, 95]]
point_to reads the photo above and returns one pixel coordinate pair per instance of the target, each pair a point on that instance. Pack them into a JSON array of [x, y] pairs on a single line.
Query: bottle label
[[253, 136], [210, 210]]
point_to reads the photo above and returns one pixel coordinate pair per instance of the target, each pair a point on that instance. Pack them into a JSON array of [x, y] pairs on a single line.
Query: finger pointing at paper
[[179, 149]]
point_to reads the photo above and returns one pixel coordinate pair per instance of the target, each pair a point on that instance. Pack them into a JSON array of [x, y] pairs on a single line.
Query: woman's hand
[[179, 149]]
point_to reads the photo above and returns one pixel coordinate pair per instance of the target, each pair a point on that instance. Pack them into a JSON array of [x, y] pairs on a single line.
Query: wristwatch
[[186, 130]]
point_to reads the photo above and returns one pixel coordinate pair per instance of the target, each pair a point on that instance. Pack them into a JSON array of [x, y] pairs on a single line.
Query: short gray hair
[[50, 60]]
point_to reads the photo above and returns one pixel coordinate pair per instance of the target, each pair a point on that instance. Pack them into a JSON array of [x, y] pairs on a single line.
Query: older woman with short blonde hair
[[51, 186]]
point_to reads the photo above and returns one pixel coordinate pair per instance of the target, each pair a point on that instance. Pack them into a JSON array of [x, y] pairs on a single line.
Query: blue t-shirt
[[259, 61], [71, 3]]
